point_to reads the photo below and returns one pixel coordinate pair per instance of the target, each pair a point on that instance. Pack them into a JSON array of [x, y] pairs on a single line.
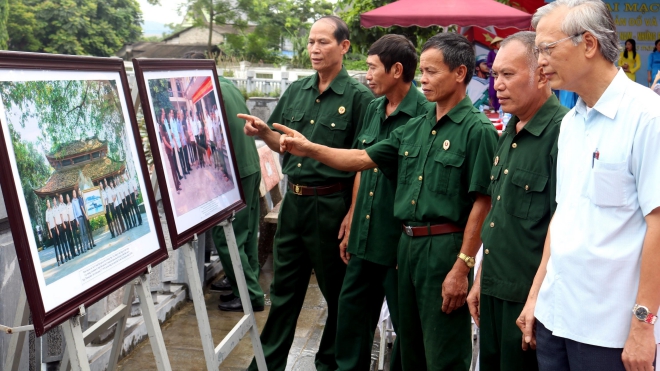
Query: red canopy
[[463, 13]]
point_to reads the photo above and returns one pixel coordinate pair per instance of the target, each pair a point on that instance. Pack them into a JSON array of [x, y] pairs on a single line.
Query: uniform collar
[[539, 121], [408, 105], [608, 103], [456, 114], [337, 85]]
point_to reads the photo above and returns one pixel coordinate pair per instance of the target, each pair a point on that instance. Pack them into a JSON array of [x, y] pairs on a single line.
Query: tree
[[89, 27], [4, 14]]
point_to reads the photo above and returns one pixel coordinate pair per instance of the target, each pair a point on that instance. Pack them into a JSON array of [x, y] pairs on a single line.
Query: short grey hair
[[528, 39], [591, 16]]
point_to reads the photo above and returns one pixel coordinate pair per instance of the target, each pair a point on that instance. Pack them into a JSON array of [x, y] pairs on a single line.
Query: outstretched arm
[[256, 126], [340, 159]]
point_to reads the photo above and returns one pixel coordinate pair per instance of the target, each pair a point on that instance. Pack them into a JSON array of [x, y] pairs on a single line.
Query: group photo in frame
[[75, 181], [190, 142]]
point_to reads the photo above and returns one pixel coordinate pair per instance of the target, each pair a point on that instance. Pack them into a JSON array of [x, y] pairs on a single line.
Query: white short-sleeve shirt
[[58, 212], [49, 218], [608, 180], [69, 211]]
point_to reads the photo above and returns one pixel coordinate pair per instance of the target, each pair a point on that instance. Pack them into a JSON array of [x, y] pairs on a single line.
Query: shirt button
[[412, 202], [433, 132], [299, 164], [318, 100], [514, 145], [371, 194], [375, 170], [486, 251], [420, 177], [498, 198], [367, 217], [406, 153], [492, 177], [492, 224], [526, 187], [364, 141], [333, 124], [506, 171], [311, 122]]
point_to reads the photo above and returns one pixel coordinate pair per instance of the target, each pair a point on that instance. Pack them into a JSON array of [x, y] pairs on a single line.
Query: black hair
[[392, 49], [456, 51], [634, 48], [341, 29], [194, 55], [656, 45]]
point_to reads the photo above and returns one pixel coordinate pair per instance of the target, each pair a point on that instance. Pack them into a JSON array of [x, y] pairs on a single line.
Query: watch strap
[[651, 319]]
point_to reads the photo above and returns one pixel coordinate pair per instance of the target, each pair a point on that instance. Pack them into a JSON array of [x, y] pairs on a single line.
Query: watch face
[[641, 313], [470, 262]]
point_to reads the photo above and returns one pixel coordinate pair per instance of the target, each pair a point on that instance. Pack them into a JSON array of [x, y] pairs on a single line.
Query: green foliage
[[4, 15], [98, 222], [161, 96], [228, 73], [355, 62], [81, 27], [362, 38]]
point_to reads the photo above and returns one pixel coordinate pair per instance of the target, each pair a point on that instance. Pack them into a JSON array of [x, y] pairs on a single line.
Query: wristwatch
[[469, 260], [642, 313]]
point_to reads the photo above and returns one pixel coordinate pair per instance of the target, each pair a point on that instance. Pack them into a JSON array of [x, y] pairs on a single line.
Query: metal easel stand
[[216, 355]]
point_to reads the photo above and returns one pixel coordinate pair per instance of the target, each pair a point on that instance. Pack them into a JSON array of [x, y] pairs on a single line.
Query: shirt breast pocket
[[293, 119], [332, 131], [366, 141], [609, 183], [408, 156], [525, 198], [445, 171]]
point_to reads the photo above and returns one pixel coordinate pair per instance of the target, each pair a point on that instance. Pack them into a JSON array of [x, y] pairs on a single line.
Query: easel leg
[[153, 327], [118, 342], [16, 341], [197, 295], [75, 344], [245, 295]]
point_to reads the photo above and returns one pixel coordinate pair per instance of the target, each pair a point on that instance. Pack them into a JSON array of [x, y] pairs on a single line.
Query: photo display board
[[191, 144], [75, 181]]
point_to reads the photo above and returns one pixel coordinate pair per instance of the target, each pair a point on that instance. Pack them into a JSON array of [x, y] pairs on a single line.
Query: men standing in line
[[57, 215], [173, 131], [73, 225], [522, 191], [53, 233], [111, 207], [79, 214], [329, 107], [441, 162], [126, 201], [184, 141], [114, 191], [66, 226], [371, 255], [595, 296], [134, 189], [171, 158], [106, 207]]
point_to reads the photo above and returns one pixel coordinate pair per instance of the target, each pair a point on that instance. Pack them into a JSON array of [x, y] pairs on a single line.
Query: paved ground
[[104, 246], [185, 349]]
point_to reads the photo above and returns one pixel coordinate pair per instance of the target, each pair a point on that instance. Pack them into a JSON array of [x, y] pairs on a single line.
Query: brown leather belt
[[302, 190], [431, 230]]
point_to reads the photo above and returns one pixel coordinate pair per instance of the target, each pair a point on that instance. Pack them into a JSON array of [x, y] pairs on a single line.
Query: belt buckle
[[297, 189], [408, 230]]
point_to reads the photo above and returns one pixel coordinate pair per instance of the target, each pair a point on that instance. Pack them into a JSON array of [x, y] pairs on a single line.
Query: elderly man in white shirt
[[597, 292]]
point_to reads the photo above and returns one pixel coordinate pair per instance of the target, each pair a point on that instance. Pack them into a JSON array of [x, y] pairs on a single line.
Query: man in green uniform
[[522, 191], [441, 162], [246, 222], [328, 107], [371, 256]]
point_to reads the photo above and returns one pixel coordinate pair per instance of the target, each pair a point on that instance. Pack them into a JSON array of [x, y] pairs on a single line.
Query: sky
[[156, 17]]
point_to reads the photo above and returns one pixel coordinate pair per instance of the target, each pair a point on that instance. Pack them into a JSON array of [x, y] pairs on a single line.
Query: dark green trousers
[[246, 230], [430, 339], [306, 239], [500, 338], [360, 301]]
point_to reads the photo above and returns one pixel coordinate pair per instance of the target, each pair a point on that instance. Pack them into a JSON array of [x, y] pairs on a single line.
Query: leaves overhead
[[79, 27]]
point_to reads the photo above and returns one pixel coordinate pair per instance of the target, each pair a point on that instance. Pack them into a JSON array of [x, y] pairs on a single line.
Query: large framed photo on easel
[[75, 181], [190, 141]]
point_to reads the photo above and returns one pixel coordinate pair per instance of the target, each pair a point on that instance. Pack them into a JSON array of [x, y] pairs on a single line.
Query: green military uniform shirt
[[247, 157], [332, 118], [375, 197], [438, 164], [522, 189]]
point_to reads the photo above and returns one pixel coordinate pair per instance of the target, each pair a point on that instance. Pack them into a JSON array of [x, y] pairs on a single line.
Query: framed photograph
[[190, 142], [75, 181]]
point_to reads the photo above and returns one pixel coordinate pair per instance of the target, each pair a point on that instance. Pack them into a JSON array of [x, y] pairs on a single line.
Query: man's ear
[[397, 70], [590, 45], [461, 73], [540, 78], [344, 46]]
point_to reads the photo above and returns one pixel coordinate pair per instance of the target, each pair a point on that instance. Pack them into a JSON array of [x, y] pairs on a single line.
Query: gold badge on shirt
[[342, 110], [446, 145], [497, 160]]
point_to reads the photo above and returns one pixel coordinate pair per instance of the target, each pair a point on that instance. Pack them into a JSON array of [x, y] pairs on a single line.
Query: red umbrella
[[463, 13]]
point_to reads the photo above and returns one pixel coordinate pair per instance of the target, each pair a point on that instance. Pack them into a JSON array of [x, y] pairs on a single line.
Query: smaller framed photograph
[[190, 142], [75, 181]]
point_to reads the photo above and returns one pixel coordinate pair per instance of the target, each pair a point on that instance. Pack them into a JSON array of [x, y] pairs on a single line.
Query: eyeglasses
[[546, 49]]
